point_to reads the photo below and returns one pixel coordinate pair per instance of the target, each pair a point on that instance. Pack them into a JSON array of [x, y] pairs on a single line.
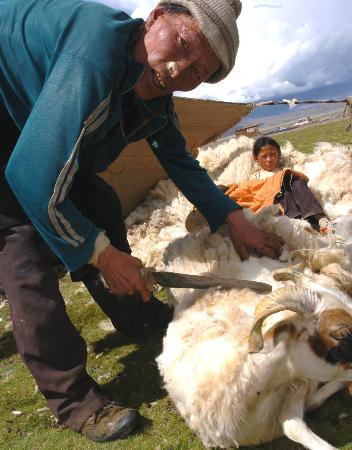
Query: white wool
[[219, 161], [296, 233], [156, 222], [160, 218], [227, 396]]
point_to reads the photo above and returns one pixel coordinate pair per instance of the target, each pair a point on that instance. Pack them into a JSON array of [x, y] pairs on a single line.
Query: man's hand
[[121, 272], [246, 237]]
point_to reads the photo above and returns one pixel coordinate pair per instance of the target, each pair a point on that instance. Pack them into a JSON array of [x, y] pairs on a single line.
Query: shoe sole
[[132, 421]]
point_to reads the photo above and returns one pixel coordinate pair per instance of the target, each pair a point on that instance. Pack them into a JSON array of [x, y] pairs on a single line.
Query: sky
[[287, 48]]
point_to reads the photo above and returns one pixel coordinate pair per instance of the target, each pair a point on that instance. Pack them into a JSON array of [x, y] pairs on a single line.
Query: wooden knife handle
[[148, 277]]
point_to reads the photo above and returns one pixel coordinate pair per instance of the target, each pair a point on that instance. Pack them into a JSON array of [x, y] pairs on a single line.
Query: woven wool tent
[[136, 171]]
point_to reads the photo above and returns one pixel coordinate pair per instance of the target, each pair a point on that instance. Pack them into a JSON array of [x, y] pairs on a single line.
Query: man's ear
[[157, 12]]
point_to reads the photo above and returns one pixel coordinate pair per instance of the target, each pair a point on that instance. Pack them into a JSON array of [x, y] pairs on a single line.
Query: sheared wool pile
[[156, 225]]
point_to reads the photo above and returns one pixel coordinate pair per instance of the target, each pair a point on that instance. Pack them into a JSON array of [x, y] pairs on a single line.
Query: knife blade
[[153, 277]]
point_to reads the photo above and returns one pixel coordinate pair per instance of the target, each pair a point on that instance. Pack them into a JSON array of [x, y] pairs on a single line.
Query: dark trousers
[[298, 200], [49, 344]]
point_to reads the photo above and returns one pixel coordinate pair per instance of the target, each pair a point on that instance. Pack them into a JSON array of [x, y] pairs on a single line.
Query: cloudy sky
[[286, 47]]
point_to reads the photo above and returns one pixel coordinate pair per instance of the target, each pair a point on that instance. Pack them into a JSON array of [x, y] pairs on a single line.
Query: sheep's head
[[335, 332], [332, 340], [290, 298]]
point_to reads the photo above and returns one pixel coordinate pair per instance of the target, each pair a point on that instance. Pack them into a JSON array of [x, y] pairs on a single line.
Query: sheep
[[228, 396], [213, 325], [232, 400]]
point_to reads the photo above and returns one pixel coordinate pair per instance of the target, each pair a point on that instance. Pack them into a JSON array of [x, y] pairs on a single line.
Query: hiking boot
[[112, 421], [147, 317], [151, 316]]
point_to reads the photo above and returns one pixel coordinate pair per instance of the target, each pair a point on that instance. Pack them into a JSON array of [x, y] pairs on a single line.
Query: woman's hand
[[246, 237], [121, 272]]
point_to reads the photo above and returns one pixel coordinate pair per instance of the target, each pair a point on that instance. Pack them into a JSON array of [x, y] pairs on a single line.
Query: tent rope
[[348, 113], [291, 103], [294, 102]]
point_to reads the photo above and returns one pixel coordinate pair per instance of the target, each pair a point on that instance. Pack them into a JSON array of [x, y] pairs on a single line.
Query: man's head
[[186, 43]]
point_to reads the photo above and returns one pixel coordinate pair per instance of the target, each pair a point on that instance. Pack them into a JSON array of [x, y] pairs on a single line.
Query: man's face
[[176, 54]]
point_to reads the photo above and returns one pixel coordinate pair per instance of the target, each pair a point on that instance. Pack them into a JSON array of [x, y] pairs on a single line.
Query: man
[[80, 81]]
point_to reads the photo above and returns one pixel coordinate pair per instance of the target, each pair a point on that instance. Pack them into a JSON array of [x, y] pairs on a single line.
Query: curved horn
[[291, 298]]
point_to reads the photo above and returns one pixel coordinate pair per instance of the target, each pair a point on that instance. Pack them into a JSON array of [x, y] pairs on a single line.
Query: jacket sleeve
[[73, 103], [169, 146]]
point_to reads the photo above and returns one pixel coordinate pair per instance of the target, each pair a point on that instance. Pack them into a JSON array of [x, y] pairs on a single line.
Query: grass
[[304, 139], [127, 371]]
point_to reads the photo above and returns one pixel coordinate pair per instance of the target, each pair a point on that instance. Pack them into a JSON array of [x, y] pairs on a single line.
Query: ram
[[239, 380]]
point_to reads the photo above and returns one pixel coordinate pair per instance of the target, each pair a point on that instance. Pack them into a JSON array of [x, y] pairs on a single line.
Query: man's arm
[[46, 157], [73, 104], [193, 181]]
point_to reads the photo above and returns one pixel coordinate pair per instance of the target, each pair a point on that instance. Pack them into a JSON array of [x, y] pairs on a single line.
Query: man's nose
[[178, 69]]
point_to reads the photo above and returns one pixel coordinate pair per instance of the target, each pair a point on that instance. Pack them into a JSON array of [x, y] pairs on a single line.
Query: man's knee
[[23, 260]]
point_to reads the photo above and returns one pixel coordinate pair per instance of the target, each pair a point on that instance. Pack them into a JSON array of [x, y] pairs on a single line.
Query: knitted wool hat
[[217, 21]]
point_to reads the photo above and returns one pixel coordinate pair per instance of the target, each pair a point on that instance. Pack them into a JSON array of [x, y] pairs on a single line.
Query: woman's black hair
[[262, 142]]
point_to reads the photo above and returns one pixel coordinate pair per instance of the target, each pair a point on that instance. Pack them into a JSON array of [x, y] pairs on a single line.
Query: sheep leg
[[293, 425], [292, 273], [318, 397]]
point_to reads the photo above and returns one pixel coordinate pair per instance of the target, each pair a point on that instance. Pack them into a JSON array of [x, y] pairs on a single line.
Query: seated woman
[[288, 188], [269, 185]]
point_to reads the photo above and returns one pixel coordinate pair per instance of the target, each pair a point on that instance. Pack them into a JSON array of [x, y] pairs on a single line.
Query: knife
[[153, 277]]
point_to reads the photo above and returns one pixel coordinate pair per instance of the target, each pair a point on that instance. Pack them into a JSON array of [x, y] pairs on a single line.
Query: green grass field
[[127, 371], [304, 139]]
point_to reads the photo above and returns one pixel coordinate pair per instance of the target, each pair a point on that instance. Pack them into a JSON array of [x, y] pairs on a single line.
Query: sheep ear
[[292, 298], [282, 331], [255, 340]]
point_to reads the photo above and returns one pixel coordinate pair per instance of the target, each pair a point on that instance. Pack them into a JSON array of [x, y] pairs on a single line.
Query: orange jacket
[[255, 194]]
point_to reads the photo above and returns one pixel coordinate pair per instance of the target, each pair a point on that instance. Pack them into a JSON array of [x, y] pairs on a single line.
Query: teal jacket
[[65, 66]]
